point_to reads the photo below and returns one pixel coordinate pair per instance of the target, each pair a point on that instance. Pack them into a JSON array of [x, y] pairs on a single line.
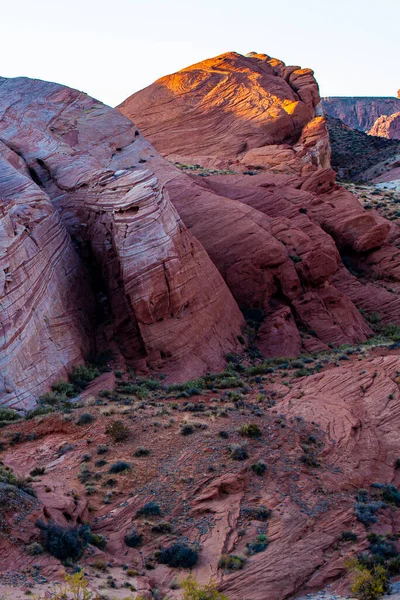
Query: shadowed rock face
[[276, 224], [162, 298], [360, 112]]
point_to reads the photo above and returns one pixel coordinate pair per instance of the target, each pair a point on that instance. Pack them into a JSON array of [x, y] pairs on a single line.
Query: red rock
[[286, 263], [169, 307], [387, 126]]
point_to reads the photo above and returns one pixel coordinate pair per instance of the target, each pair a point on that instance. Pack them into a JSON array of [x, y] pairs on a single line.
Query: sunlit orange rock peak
[[228, 107]]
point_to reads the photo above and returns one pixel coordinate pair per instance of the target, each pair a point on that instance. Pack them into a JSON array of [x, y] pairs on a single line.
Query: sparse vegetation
[[179, 555], [118, 431], [62, 542], [231, 562], [151, 509]]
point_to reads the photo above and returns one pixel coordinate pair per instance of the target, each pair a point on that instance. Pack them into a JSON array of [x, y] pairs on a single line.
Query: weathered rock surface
[[387, 126], [157, 290], [360, 112], [271, 217]]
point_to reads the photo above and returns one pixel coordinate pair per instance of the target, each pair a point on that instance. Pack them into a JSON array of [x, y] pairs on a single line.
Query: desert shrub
[[367, 584], [259, 545], [100, 463], [65, 448], [133, 539], [96, 539], [118, 431], [259, 468], [99, 564], [250, 430], [223, 434], [231, 562], [66, 389], [85, 419], [151, 509], [179, 555], [187, 429], [348, 536], [258, 513], [34, 549], [163, 527], [366, 512], [119, 467], [141, 452], [7, 476], [238, 452], [102, 449], [8, 414], [37, 471], [389, 493], [193, 591], [82, 375], [309, 458], [62, 542]]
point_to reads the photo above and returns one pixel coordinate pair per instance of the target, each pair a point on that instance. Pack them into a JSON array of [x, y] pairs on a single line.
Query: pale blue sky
[[111, 48]]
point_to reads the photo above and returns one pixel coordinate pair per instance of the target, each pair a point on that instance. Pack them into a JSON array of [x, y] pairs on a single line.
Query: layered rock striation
[[271, 215], [115, 246]]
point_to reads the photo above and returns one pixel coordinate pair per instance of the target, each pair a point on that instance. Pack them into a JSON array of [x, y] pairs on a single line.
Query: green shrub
[[37, 471], [85, 419], [348, 536], [179, 555], [193, 591], [8, 414], [162, 527], [118, 431], [119, 467], [133, 539], [141, 452], [231, 562], [151, 509], [64, 543], [34, 549], [238, 452], [258, 513], [259, 468], [82, 375], [187, 429], [251, 430]]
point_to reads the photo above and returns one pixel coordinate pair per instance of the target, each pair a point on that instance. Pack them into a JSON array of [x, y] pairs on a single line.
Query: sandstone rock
[[387, 126], [283, 254], [162, 296]]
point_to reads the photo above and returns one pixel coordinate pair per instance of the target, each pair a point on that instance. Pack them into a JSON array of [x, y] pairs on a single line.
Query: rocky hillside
[[360, 112], [265, 478], [354, 152]]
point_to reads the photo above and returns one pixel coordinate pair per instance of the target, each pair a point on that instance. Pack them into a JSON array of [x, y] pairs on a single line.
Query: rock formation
[[355, 154], [270, 216], [387, 126], [163, 304], [360, 112]]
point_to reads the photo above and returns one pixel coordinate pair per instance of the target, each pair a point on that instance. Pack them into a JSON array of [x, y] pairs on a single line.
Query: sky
[[112, 48]]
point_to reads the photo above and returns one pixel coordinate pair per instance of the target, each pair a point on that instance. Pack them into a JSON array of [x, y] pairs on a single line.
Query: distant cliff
[[360, 112], [387, 126]]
